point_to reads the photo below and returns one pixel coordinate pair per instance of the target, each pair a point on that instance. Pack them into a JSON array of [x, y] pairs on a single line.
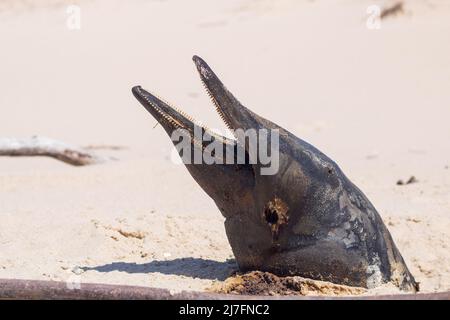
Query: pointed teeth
[[184, 114], [168, 118], [218, 110]]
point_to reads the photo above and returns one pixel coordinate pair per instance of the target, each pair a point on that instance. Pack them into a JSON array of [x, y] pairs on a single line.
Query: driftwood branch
[[393, 10], [41, 146]]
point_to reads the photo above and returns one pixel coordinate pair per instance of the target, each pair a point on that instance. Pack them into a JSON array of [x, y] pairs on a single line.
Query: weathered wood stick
[[392, 10], [41, 146]]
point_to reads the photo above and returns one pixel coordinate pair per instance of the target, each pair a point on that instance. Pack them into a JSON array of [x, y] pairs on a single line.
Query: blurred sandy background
[[377, 101]]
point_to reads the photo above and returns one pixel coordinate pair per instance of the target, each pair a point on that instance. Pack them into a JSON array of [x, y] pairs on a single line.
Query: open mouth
[[172, 118]]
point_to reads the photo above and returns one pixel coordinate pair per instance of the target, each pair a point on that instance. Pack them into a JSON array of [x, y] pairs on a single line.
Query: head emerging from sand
[[296, 214]]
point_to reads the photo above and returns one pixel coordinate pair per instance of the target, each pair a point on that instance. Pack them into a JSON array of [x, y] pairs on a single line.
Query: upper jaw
[[232, 112]]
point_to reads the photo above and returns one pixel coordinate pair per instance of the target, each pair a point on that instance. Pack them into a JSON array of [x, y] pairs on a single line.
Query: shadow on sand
[[190, 267]]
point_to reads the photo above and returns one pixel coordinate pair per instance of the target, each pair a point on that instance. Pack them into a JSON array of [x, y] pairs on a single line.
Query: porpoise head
[[288, 208]]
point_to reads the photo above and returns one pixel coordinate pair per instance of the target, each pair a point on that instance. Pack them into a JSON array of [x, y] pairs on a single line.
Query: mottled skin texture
[[309, 219]]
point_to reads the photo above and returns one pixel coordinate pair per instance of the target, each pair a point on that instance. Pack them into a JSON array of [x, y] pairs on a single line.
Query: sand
[[376, 101]]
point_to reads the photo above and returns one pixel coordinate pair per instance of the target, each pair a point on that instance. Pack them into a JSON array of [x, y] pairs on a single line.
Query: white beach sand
[[375, 101]]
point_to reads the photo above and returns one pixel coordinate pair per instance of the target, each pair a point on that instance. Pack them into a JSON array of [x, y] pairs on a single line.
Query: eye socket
[[271, 216]]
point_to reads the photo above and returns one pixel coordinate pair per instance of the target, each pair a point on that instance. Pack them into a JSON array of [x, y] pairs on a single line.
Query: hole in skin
[[276, 215], [271, 216]]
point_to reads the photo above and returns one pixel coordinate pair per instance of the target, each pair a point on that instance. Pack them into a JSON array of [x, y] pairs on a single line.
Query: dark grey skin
[[309, 219]]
